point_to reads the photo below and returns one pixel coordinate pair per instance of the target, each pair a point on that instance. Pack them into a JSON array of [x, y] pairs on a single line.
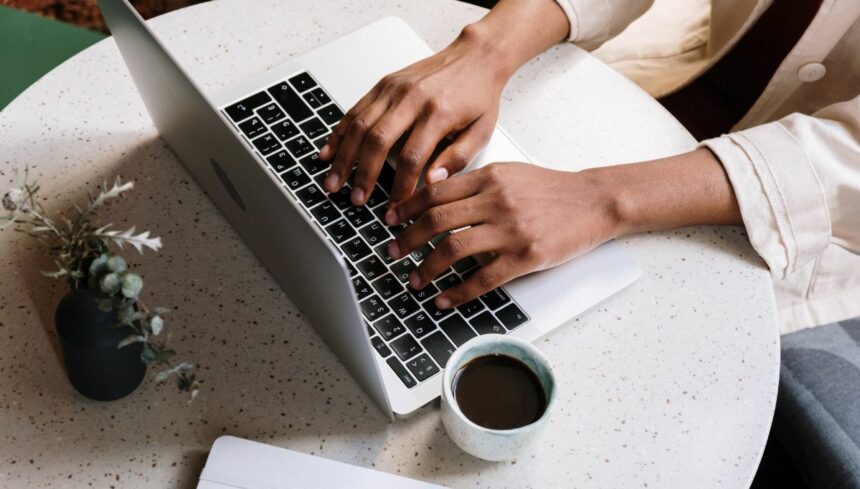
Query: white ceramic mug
[[486, 443]]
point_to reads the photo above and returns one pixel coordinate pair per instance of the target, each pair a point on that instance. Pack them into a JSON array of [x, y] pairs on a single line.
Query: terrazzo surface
[[671, 383]]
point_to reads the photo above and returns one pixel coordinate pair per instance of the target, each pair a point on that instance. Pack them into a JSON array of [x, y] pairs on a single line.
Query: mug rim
[[533, 351]]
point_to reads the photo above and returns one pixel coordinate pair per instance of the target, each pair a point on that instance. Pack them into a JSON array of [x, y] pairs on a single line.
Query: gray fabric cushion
[[818, 407]]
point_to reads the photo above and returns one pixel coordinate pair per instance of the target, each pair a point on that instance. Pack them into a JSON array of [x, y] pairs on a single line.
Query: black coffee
[[499, 392]]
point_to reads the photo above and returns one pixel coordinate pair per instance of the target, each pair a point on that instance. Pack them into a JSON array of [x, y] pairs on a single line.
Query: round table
[[671, 383]]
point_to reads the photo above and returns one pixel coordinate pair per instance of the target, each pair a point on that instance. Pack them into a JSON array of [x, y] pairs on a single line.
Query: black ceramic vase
[[89, 337]]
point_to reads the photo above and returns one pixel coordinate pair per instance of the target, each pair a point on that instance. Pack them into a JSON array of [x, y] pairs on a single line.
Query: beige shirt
[[793, 159]]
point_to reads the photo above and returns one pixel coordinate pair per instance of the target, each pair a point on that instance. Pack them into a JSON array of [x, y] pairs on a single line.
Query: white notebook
[[235, 463]]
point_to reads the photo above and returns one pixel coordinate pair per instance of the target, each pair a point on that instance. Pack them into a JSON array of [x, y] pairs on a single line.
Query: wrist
[[481, 41], [615, 201]]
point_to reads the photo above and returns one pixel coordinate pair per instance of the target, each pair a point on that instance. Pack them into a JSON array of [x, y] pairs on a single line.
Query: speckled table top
[[671, 383]]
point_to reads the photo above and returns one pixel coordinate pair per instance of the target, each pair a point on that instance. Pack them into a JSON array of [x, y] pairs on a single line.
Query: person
[[788, 167]]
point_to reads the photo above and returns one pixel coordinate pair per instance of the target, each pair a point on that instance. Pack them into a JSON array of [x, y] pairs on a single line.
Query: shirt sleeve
[[593, 22], [797, 181]]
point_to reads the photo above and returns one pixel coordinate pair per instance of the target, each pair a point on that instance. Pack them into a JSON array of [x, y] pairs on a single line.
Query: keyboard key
[[420, 324], [330, 114], [355, 249], [404, 305], [435, 313], [302, 82], [340, 231], [421, 253], [380, 346], [313, 128], [362, 289], [325, 213], [389, 327], [448, 281], [422, 367], [358, 216], [313, 164], [320, 142], [310, 195], [374, 308], [270, 113], [382, 251], [439, 347], [427, 292], [387, 286], [471, 308], [245, 108], [495, 298], [438, 239], [375, 233], [341, 198], [405, 347], [281, 161], [291, 102], [352, 271], [403, 268], [312, 100], [386, 177], [372, 267], [457, 329], [295, 178], [401, 372], [321, 97], [285, 130], [266, 144], [377, 197], [299, 146], [252, 128], [486, 323], [465, 264], [512, 316]]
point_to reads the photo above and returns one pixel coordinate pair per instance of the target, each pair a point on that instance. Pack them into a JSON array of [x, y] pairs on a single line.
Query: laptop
[[254, 149]]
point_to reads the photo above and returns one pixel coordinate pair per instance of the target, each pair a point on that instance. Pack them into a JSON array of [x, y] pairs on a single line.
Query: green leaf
[[129, 340], [105, 303], [111, 283], [131, 285], [156, 324], [117, 264], [97, 268], [127, 314]]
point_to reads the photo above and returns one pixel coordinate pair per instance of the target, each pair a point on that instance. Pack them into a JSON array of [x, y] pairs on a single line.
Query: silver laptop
[[254, 150]]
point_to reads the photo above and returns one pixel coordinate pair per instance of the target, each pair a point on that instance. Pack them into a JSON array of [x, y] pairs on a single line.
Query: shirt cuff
[[587, 31], [782, 202]]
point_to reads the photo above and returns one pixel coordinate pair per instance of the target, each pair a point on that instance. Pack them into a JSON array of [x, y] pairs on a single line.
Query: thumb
[[462, 151]]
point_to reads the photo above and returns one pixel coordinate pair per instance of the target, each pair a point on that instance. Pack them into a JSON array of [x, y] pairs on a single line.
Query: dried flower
[[15, 199]]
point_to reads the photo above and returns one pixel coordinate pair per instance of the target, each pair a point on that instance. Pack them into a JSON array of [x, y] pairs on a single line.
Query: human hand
[[454, 92], [527, 218]]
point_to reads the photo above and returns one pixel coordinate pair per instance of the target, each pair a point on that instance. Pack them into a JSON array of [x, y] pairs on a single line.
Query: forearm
[[684, 190], [515, 31]]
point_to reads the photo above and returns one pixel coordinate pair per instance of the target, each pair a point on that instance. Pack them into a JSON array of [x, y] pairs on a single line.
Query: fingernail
[[443, 302], [437, 174], [324, 149], [414, 281], [357, 196], [331, 182], [394, 250], [391, 217]]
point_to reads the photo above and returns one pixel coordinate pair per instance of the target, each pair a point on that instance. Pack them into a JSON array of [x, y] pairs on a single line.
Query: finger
[[374, 149], [424, 138], [434, 222], [462, 151], [347, 154], [332, 144], [433, 195], [498, 272], [478, 239]]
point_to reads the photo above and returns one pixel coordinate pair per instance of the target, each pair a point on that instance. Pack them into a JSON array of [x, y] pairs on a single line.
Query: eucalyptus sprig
[[86, 256]]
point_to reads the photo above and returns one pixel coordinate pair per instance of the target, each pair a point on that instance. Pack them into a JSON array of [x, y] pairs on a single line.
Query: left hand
[[527, 218]]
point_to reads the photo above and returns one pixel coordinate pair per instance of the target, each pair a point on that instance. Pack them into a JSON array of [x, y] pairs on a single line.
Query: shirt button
[[811, 72]]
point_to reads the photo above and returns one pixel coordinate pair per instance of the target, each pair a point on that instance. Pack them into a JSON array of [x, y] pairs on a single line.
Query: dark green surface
[[31, 46]]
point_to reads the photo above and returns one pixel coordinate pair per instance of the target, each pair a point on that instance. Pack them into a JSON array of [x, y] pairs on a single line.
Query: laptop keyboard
[[286, 126]]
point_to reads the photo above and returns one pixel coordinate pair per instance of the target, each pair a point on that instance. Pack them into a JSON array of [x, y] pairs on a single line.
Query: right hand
[[454, 93]]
